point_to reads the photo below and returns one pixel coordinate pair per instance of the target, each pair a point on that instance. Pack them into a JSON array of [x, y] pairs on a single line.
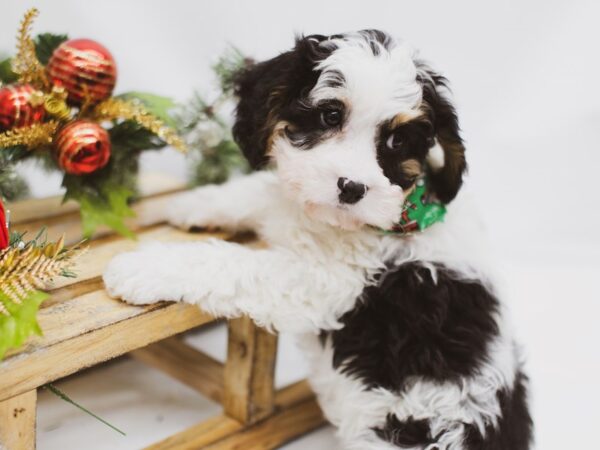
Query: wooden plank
[[35, 209], [293, 394], [275, 431], [186, 364], [92, 264], [69, 224], [17, 422], [199, 436], [249, 371], [77, 316], [223, 429], [23, 372]]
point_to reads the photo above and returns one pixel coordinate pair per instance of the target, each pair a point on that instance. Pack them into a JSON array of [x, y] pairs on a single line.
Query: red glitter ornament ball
[[85, 69], [16, 107], [82, 147]]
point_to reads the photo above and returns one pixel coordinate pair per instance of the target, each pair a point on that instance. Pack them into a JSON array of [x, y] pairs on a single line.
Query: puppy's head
[[350, 122]]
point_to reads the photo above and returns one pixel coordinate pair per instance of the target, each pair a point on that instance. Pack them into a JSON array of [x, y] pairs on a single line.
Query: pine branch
[[60, 394]]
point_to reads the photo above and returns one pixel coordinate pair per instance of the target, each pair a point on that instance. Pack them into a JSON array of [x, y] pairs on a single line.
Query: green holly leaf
[[21, 321], [102, 204], [129, 137], [7, 76], [46, 43], [155, 104], [111, 210]]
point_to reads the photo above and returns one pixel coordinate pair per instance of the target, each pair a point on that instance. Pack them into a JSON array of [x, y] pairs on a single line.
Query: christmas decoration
[[3, 227], [25, 268], [421, 210], [208, 135], [34, 136], [85, 69], [82, 147], [57, 101], [20, 106], [12, 186]]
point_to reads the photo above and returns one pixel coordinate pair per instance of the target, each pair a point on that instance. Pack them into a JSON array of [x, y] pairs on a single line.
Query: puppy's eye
[[394, 142], [331, 117]]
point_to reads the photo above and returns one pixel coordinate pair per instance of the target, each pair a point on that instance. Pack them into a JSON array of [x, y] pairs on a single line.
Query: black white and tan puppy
[[406, 335]]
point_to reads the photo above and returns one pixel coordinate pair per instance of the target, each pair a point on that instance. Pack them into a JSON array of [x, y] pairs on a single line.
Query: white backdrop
[[524, 74]]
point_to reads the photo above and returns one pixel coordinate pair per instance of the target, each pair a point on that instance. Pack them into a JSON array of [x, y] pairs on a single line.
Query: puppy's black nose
[[350, 191]]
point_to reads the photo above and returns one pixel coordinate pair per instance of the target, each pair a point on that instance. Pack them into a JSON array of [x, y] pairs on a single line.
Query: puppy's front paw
[[198, 208], [136, 278]]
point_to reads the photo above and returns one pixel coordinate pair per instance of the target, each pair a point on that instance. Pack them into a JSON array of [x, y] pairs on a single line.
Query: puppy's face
[[350, 122]]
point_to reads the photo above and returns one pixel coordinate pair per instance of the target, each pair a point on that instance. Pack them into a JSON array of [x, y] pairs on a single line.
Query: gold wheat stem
[[25, 63]]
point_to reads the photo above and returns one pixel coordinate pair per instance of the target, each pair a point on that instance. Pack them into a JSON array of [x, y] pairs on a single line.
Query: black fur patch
[[515, 427], [269, 89], [410, 325], [447, 181], [307, 127], [416, 138], [408, 433]]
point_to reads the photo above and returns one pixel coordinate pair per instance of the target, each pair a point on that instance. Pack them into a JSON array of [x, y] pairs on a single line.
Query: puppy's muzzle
[[350, 191]]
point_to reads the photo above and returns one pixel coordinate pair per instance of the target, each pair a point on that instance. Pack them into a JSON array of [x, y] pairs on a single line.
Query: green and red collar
[[420, 210]]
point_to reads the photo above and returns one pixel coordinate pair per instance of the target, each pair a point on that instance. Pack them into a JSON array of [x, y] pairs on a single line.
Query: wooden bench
[[82, 327]]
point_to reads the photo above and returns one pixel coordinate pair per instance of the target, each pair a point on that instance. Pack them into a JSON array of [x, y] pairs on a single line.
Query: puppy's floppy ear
[[446, 175], [267, 88]]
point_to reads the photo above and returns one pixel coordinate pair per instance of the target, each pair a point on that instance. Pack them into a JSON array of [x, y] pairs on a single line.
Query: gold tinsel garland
[[32, 267], [25, 63], [33, 136], [115, 108]]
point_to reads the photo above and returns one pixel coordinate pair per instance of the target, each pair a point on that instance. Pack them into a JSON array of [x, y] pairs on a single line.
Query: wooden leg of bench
[[186, 364], [249, 393], [296, 413], [17, 422]]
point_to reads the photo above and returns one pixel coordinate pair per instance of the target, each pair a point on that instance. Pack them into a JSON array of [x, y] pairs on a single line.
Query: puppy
[[405, 333]]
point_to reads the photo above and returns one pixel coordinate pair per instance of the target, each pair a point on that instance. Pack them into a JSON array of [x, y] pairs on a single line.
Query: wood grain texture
[[201, 435], [186, 364], [282, 427], [296, 413], [249, 371], [17, 422], [26, 371]]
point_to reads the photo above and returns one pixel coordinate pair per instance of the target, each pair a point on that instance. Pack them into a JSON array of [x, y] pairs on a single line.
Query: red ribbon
[[3, 228]]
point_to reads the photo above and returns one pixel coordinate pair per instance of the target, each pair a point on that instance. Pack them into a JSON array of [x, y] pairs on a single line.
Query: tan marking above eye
[[405, 116], [411, 167]]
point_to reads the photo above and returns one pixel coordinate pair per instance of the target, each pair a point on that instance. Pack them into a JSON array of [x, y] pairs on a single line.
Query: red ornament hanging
[[20, 106], [4, 238], [85, 69], [82, 147]]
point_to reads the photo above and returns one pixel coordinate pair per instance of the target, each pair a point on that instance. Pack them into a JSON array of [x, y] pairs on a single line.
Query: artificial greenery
[[25, 268], [46, 43], [12, 186], [60, 394], [21, 320], [215, 156]]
